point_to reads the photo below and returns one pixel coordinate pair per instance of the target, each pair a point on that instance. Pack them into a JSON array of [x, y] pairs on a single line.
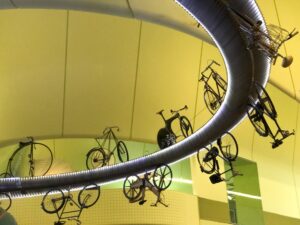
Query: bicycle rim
[[95, 158], [53, 201], [89, 195], [229, 147], [258, 122], [206, 167], [211, 101], [5, 201], [122, 151]]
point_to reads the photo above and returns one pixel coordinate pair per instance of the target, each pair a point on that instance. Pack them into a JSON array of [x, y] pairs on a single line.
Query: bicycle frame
[[143, 184], [107, 136]]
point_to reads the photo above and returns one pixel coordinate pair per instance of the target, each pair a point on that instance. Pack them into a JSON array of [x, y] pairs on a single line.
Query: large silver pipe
[[243, 68]]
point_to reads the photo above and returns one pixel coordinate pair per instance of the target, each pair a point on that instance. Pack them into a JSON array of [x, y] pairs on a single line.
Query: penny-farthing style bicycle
[[257, 112], [267, 41], [30, 159], [103, 154], [166, 136], [64, 205], [213, 98], [134, 187]]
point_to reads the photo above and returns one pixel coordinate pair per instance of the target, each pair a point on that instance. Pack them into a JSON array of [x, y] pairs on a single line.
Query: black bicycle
[[267, 41], [5, 201], [103, 154], [256, 114], [207, 159], [134, 187], [30, 159], [213, 99], [64, 205], [166, 136]]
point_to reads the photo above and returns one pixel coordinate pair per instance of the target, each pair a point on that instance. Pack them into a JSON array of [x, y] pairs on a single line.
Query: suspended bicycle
[[207, 158], [30, 159], [166, 136], [135, 187], [103, 154], [213, 98], [64, 205], [267, 41], [257, 112]]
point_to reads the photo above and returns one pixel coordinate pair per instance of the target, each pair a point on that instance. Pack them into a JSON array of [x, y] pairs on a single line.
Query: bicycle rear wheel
[[33, 159], [228, 146], [221, 82], [265, 101], [5, 201], [131, 191], [89, 195], [258, 121], [185, 126], [53, 201], [122, 151], [162, 178], [212, 101], [95, 158], [206, 166], [165, 138]]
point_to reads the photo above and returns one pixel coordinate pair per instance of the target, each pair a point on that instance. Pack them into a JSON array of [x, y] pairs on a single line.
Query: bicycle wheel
[[95, 158], [165, 138], [5, 201], [53, 201], [221, 82], [206, 166], [162, 178], [258, 121], [33, 159], [185, 126], [122, 151], [131, 187], [228, 146], [89, 195], [265, 101], [211, 101]]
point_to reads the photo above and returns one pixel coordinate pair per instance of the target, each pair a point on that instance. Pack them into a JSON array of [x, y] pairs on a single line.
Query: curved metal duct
[[243, 67]]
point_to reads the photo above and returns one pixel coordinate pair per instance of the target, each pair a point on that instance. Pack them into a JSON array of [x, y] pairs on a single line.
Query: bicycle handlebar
[[208, 67], [175, 111], [110, 128]]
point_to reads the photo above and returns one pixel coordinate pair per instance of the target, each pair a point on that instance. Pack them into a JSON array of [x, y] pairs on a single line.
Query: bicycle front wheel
[[258, 121], [185, 126], [206, 166], [212, 101], [34, 159], [5, 201], [53, 201], [95, 158], [265, 101], [162, 178], [122, 151], [228, 146], [89, 195]]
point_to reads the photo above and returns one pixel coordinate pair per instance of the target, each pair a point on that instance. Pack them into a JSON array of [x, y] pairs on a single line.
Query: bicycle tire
[[162, 177], [211, 101], [185, 126], [205, 167], [89, 195], [130, 192], [122, 151], [165, 138], [95, 158], [5, 201], [221, 82], [39, 166], [53, 201], [230, 150], [258, 121], [266, 101]]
